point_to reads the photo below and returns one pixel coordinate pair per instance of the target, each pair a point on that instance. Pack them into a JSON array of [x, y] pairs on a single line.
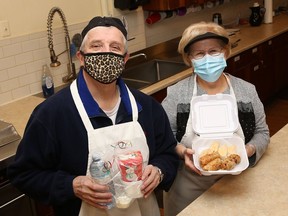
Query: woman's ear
[[227, 51]]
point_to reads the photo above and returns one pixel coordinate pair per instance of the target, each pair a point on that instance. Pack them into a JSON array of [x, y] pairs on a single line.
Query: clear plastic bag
[[126, 165]]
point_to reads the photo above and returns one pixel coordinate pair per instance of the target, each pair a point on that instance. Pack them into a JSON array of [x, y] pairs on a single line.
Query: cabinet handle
[[256, 68], [11, 201], [237, 58], [270, 42], [254, 50]]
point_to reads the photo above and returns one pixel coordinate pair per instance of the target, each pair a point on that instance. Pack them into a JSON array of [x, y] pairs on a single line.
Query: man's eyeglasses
[[199, 54]]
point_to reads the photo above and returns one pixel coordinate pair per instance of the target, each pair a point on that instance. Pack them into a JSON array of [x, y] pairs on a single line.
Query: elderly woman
[[205, 47]]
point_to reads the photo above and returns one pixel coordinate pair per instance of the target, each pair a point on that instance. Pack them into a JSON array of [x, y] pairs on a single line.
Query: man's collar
[[91, 106]]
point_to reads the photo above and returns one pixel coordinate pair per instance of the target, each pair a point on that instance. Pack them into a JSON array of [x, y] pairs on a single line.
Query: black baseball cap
[[104, 21], [206, 36]]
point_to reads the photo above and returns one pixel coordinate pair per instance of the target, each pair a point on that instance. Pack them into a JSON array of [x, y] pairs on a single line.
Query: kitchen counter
[[18, 112], [261, 190]]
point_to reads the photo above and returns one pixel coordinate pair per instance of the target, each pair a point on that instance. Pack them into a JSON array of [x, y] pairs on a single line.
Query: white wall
[[29, 16]]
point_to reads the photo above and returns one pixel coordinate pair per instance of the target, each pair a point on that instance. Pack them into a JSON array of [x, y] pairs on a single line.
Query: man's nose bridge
[[106, 48]]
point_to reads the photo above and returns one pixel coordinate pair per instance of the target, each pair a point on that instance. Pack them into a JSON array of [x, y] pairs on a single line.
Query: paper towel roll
[[268, 16]]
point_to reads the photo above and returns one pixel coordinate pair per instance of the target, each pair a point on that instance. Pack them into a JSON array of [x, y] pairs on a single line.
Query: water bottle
[[47, 82], [101, 173]]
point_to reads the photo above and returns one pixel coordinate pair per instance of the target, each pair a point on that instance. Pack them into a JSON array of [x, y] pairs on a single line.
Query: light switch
[[4, 28]]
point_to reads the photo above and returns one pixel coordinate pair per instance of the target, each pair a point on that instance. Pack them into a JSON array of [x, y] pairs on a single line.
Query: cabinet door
[[239, 65], [13, 202], [267, 75], [279, 58], [248, 66]]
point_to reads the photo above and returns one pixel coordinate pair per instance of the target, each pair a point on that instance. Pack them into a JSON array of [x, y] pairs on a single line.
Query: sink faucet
[[54, 58], [138, 55]]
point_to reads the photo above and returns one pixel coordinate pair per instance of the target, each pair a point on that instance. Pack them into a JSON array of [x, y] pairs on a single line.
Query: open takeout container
[[215, 119]]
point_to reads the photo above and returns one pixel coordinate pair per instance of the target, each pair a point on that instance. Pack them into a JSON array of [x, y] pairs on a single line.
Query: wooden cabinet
[[160, 95], [263, 65], [265, 79], [280, 61], [239, 65]]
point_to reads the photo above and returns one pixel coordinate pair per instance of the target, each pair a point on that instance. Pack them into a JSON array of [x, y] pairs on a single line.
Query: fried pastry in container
[[235, 157], [230, 162], [213, 165], [227, 164], [207, 158]]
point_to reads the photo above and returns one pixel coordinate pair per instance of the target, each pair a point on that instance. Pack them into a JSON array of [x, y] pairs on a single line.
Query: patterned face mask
[[105, 67]]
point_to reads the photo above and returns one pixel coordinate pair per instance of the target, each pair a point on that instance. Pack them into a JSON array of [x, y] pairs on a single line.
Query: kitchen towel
[[268, 16]]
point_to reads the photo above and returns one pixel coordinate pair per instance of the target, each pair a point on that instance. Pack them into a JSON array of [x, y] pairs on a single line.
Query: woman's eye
[[199, 54], [213, 51]]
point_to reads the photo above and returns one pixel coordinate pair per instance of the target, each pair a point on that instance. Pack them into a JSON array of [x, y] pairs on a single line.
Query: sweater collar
[[91, 106]]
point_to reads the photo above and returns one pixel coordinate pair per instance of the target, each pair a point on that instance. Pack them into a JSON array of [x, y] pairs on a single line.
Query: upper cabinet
[[163, 5]]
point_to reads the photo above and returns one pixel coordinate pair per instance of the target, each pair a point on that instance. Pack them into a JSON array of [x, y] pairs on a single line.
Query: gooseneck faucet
[[54, 58]]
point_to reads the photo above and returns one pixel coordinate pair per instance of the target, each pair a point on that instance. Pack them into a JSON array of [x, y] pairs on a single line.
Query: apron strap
[[80, 106], [133, 105], [83, 113]]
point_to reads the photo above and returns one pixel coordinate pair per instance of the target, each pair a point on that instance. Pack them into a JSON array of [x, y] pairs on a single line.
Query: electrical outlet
[[4, 28]]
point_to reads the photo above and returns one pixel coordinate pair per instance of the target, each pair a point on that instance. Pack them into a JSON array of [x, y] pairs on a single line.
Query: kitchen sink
[[145, 74], [150, 72]]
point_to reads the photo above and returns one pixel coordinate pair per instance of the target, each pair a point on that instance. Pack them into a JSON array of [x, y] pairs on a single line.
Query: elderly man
[[93, 117]]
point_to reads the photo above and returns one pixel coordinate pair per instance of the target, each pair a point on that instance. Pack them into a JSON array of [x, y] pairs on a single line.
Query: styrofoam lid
[[214, 114]]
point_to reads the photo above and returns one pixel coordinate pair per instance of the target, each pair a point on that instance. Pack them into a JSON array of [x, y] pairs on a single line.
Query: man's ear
[[126, 57], [80, 57]]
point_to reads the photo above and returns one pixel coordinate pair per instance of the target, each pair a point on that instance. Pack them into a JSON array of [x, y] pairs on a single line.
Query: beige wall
[[23, 54], [29, 16]]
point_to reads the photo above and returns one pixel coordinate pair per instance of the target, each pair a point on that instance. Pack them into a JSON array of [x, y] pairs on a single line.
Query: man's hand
[[151, 180], [91, 192]]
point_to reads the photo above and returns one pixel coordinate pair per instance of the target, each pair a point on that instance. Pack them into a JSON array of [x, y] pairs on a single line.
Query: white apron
[[102, 140]]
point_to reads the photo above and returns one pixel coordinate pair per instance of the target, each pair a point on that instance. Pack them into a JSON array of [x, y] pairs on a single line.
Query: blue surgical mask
[[209, 68]]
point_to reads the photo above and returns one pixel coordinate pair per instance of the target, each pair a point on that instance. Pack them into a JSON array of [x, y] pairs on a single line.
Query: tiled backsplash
[[22, 58]]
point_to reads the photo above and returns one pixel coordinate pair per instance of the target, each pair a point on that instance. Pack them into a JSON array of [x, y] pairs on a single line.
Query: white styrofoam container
[[215, 118]]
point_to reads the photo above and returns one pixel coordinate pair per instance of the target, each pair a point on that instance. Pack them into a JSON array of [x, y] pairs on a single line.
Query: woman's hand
[[186, 154], [250, 149], [151, 179], [91, 192]]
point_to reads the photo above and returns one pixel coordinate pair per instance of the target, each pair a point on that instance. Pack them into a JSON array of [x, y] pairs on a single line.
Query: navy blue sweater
[[54, 148]]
